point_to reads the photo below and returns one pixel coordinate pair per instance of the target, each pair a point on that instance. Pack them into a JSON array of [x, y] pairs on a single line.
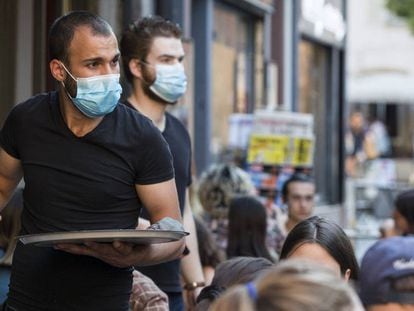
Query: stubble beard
[[146, 81]]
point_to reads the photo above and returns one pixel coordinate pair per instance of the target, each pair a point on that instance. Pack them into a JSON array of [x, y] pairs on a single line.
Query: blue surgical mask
[[96, 96], [170, 82]]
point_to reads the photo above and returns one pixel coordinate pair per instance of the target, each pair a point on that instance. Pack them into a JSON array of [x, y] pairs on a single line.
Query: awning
[[394, 87]]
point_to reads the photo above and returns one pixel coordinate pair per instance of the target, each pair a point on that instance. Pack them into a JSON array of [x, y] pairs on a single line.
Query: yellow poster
[[302, 151], [268, 149]]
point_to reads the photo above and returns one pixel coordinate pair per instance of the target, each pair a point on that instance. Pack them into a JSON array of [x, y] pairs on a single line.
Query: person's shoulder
[[35, 100], [176, 124], [29, 107], [174, 120], [132, 115], [135, 125]]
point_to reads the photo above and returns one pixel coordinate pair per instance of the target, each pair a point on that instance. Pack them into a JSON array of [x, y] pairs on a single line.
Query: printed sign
[[268, 149]]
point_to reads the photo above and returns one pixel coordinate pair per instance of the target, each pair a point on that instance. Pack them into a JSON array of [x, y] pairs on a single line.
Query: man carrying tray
[[84, 169]]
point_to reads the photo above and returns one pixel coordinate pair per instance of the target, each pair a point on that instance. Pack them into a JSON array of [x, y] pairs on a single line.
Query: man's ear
[[57, 71], [347, 274], [135, 68]]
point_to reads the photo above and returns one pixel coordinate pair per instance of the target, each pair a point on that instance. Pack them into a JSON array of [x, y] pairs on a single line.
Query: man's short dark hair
[[63, 29], [404, 203], [136, 41], [297, 177]]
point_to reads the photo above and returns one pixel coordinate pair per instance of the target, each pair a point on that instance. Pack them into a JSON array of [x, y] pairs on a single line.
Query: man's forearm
[[159, 253], [191, 265]]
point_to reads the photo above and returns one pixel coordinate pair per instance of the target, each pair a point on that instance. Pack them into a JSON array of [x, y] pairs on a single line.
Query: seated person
[[322, 240], [387, 275], [292, 285], [231, 272], [146, 295]]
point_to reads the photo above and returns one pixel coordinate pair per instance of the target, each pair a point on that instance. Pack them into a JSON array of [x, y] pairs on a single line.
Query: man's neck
[[148, 107]]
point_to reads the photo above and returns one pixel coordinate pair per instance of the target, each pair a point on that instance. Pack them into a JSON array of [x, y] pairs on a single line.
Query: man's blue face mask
[[170, 82], [96, 96]]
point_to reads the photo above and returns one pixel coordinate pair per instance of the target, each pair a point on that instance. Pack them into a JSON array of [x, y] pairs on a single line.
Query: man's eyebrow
[[94, 59], [171, 56], [100, 59]]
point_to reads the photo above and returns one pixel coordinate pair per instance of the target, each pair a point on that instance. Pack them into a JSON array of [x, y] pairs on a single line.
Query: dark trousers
[[175, 301]]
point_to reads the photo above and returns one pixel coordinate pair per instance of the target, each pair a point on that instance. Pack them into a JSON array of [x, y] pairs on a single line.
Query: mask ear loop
[[64, 67], [63, 83]]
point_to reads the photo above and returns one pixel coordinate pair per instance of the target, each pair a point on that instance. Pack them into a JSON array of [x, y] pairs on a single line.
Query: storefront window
[[237, 69], [313, 86]]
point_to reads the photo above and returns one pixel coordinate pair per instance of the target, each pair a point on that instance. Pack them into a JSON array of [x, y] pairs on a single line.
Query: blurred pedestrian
[[152, 54], [359, 144], [247, 228], [291, 285], [402, 222], [298, 195], [387, 275], [234, 271], [217, 186], [323, 241], [380, 135], [404, 213], [210, 254]]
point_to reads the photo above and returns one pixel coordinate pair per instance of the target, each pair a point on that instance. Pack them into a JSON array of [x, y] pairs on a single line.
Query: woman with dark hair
[[247, 228], [216, 187], [210, 254], [292, 285], [238, 270], [322, 240]]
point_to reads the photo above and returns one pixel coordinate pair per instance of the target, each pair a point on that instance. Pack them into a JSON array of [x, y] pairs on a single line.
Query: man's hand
[[122, 254], [117, 254]]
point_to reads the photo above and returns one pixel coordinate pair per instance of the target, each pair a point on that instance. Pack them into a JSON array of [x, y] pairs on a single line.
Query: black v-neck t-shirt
[[78, 183], [167, 275]]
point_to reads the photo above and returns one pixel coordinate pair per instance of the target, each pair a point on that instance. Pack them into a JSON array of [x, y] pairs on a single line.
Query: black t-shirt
[[78, 183], [167, 275]]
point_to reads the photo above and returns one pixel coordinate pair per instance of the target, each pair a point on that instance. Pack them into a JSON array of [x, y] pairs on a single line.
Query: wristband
[[194, 285]]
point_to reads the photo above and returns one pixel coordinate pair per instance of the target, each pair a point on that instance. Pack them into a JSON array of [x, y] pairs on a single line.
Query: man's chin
[[156, 98]]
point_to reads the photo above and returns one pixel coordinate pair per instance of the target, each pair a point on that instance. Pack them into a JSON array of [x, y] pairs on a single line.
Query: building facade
[[242, 55]]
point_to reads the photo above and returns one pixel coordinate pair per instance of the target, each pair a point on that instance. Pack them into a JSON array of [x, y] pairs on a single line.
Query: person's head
[[387, 275], [322, 240], [247, 228], [237, 270], [356, 122], [10, 225], [291, 285], [298, 193], [404, 212], [152, 55], [84, 59], [219, 184], [210, 254]]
